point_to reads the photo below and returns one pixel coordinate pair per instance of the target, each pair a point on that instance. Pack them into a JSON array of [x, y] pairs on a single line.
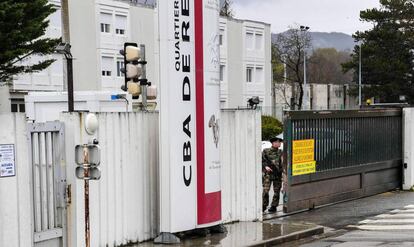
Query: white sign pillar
[[408, 137], [190, 186]]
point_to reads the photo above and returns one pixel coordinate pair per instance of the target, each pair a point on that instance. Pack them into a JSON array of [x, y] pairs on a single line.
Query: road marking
[[395, 216], [386, 227], [403, 211], [395, 220]]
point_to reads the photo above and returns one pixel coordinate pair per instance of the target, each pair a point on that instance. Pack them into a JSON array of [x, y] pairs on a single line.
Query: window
[[259, 75], [119, 66], [249, 74], [106, 20], [221, 37], [14, 107], [105, 28], [249, 40], [22, 108], [222, 71], [107, 66], [259, 41], [120, 24], [120, 31], [17, 105]]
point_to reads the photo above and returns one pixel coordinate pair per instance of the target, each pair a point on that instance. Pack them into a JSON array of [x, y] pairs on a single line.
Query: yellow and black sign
[[304, 168], [303, 157]]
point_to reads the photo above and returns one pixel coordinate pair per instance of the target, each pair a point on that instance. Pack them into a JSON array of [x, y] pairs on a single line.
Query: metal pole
[[70, 82], [360, 75], [87, 225], [144, 76], [86, 197], [305, 95]]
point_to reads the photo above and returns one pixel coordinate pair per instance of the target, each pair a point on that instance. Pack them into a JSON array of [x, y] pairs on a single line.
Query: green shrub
[[271, 127]]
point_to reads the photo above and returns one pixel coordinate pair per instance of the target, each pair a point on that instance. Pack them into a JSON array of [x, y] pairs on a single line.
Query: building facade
[[245, 62], [98, 30]]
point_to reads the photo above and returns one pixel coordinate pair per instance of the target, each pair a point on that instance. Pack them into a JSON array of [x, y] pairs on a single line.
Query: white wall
[[15, 203], [408, 135], [4, 99], [124, 203], [241, 137]]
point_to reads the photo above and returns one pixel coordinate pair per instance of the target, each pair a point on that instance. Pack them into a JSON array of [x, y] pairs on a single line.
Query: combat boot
[[272, 209]]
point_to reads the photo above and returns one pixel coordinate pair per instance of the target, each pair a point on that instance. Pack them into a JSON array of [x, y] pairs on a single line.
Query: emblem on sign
[[214, 125]]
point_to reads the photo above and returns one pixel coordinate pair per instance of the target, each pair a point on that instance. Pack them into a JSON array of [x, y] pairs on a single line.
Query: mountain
[[339, 41]]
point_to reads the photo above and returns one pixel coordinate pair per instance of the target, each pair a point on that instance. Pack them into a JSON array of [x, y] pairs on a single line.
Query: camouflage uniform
[[271, 157]]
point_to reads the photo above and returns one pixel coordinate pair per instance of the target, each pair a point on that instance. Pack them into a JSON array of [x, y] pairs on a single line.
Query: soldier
[[272, 173]]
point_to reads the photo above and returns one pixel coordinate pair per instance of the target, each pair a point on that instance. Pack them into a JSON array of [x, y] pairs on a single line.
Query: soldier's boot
[[272, 209]]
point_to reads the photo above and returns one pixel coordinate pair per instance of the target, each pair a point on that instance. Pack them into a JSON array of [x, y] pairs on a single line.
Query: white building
[[98, 30], [245, 62]]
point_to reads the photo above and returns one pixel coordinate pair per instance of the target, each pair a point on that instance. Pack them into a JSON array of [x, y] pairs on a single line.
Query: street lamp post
[[64, 48], [360, 76], [305, 90]]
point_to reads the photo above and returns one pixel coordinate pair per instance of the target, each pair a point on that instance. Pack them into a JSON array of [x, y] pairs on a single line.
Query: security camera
[[63, 48], [253, 102]]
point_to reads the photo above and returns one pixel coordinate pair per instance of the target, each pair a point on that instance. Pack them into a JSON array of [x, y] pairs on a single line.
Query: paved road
[[382, 220]]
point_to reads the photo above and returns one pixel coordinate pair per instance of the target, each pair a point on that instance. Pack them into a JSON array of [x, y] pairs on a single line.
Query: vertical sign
[[208, 112], [7, 160], [189, 114]]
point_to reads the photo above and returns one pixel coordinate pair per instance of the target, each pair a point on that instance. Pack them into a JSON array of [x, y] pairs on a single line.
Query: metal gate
[[48, 183], [357, 154]]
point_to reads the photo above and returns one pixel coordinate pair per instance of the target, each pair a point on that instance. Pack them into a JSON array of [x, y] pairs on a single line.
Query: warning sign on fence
[[303, 157], [304, 168]]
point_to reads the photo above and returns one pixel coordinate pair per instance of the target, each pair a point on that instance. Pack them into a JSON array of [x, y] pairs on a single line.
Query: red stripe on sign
[[208, 205]]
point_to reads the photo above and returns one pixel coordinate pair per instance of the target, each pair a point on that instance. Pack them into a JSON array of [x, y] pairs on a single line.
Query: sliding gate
[[339, 155]]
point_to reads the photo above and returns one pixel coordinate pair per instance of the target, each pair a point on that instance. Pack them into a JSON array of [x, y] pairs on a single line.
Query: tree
[[226, 9], [22, 26], [289, 50], [387, 52], [271, 127], [326, 67]]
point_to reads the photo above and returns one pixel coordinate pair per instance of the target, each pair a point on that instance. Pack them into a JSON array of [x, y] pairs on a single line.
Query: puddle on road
[[241, 234]]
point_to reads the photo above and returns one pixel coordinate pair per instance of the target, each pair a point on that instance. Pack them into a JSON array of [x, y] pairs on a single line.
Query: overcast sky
[[319, 15]]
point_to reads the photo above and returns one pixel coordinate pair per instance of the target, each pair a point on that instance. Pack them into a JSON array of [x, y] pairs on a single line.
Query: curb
[[291, 237]]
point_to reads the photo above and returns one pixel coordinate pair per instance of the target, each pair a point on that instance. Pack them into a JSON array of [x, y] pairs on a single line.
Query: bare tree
[[226, 9], [289, 49]]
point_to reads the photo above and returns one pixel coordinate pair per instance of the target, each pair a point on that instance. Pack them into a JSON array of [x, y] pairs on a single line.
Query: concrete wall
[[15, 192], [320, 97]]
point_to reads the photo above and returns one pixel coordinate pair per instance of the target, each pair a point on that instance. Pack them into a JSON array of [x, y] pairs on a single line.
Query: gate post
[[408, 149]]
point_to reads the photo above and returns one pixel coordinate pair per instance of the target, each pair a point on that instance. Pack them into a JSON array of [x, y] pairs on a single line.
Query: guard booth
[[333, 156]]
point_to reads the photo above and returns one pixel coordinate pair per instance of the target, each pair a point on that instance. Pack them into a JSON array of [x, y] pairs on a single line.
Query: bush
[[271, 127]]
